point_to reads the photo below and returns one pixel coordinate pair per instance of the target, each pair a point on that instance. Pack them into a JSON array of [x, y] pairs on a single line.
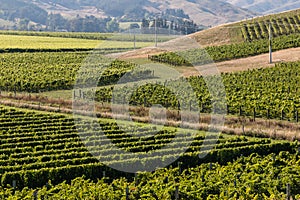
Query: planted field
[[35, 42], [247, 38], [38, 147], [38, 72], [90, 36], [283, 24], [30, 43], [252, 177], [226, 52], [123, 36], [268, 93], [273, 92], [58, 156]]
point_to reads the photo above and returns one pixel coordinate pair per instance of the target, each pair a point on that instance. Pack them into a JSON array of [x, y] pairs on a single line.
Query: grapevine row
[[36, 155], [226, 52], [269, 93], [251, 177]]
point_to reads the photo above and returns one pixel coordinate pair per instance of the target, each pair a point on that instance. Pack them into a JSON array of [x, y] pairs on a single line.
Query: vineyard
[[20, 43], [284, 24], [89, 36], [226, 52], [126, 36], [243, 178], [38, 147], [269, 93], [285, 29], [38, 72], [56, 155], [57, 71]]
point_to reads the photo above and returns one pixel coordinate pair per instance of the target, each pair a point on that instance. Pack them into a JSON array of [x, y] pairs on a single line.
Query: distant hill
[[207, 12], [25, 13], [266, 6], [17, 9], [204, 12]]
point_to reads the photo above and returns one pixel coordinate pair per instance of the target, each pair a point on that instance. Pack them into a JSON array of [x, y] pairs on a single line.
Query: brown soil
[[233, 124], [260, 61]]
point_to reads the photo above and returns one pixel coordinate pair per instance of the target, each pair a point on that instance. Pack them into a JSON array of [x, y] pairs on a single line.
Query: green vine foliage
[[251, 177]]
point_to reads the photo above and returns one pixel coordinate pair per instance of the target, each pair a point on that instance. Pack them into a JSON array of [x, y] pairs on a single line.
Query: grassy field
[[41, 42], [37, 42], [126, 35]]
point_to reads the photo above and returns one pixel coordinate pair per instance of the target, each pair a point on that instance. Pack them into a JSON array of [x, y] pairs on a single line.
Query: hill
[[205, 13], [283, 23], [209, 13], [266, 6], [202, 12], [232, 33]]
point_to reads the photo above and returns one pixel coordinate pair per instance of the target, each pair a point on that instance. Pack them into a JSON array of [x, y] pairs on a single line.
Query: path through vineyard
[[233, 124]]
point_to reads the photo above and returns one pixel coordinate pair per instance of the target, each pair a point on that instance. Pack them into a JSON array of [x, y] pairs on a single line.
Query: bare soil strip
[[244, 64], [237, 125]]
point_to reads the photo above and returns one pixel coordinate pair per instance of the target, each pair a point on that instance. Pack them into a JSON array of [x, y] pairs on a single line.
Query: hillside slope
[[266, 6], [208, 13]]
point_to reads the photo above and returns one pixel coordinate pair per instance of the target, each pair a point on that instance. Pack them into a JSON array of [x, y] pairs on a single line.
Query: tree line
[[182, 26]]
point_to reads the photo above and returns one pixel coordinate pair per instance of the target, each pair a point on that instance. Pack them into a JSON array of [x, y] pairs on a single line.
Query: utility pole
[[134, 46], [270, 42], [155, 30]]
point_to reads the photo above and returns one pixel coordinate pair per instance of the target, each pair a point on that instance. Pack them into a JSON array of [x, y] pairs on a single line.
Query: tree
[[56, 21], [145, 26], [23, 24], [112, 26], [134, 26], [145, 23]]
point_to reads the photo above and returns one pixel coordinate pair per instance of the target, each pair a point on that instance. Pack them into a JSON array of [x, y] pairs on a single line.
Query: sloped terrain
[[266, 6]]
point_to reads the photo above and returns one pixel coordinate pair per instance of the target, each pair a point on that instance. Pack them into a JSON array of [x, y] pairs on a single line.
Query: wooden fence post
[[179, 167], [288, 192], [136, 180], [127, 193], [14, 183], [35, 195], [177, 192], [166, 180]]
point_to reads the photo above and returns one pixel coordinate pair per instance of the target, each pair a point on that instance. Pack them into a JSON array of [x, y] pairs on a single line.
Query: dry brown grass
[[274, 129]]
